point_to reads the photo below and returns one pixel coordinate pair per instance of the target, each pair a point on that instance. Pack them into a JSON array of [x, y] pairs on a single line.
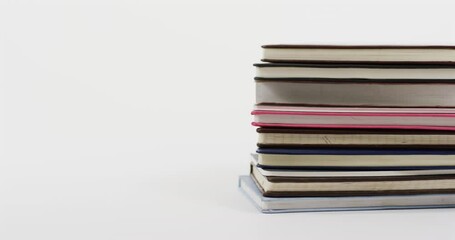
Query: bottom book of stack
[[313, 204], [406, 184]]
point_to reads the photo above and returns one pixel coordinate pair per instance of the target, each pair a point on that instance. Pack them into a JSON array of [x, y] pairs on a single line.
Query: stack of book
[[353, 127]]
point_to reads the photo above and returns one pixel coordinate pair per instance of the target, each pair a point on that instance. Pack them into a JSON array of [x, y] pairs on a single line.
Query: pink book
[[330, 117]]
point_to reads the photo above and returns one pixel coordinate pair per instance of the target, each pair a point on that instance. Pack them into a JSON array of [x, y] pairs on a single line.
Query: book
[[291, 108], [368, 172], [351, 158], [354, 138], [373, 54], [345, 72], [354, 94], [366, 118], [348, 203], [282, 186]]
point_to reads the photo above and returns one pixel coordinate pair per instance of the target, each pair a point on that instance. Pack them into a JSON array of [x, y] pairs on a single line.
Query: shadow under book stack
[[353, 128]]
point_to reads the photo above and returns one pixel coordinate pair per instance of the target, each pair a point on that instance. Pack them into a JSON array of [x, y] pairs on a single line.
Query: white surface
[[92, 94]]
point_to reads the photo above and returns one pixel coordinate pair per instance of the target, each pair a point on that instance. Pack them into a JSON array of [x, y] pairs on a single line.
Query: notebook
[[345, 72], [353, 138], [354, 94], [312, 204], [332, 117], [283, 186], [351, 158], [373, 54], [334, 172]]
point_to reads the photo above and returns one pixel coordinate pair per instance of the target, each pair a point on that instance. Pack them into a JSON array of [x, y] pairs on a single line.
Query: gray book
[[313, 204]]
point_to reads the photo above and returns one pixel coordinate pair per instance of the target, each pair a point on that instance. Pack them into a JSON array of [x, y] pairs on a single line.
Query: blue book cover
[[318, 204], [346, 151]]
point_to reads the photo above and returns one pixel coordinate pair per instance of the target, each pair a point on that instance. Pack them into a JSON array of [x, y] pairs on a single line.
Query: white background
[[130, 119]]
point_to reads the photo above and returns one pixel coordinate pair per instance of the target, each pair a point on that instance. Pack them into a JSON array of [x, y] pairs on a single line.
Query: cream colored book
[[277, 172], [416, 54], [334, 157], [352, 186], [380, 138]]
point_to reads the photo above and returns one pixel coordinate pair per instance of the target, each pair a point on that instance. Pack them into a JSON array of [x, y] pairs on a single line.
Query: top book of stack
[[369, 54]]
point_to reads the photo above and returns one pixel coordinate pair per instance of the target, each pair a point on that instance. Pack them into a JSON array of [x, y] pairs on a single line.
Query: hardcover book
[[354, 94], [334, 172], [345, 72], [353, 138], [355, 117], [372, 54], [348, 203], [351, 158], [284, 186]]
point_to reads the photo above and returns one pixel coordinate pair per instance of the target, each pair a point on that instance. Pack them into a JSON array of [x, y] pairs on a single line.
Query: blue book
[[350, 151], [313, 204]]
